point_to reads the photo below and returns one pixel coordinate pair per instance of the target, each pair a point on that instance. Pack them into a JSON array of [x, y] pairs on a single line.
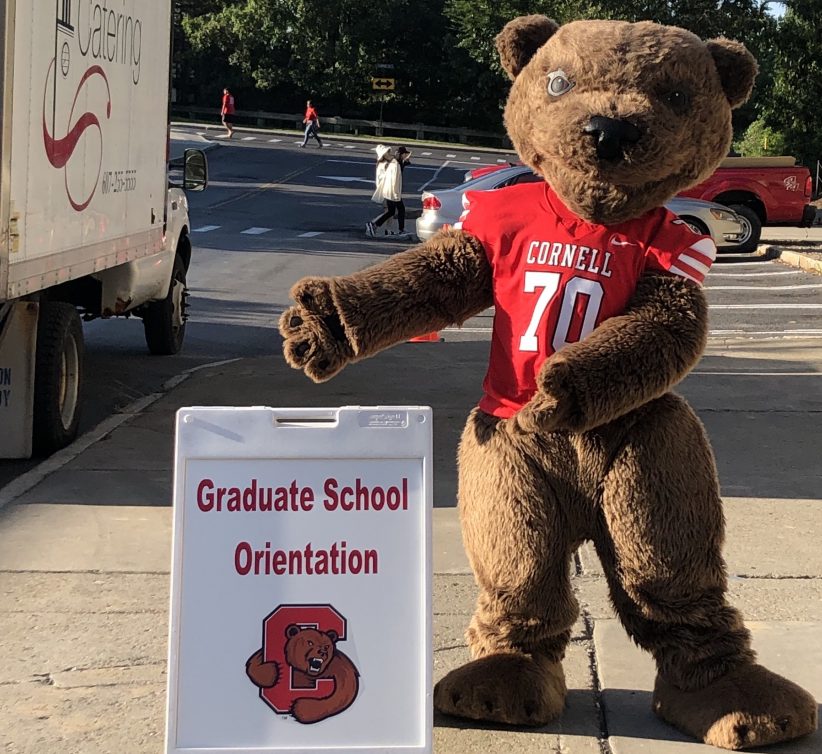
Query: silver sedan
[[443, 207]]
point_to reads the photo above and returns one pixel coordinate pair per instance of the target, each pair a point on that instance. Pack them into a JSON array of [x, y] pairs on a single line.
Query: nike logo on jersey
[[617, 241]]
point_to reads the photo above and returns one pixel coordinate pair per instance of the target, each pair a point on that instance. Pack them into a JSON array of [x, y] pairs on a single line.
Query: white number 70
[[549, 283]]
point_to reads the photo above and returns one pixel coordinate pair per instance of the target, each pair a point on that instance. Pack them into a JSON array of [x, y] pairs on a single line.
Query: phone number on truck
[[116, 181]]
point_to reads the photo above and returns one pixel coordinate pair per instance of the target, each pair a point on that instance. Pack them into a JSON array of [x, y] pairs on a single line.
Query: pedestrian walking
[[388, 189], [312, 125], [227, 112]]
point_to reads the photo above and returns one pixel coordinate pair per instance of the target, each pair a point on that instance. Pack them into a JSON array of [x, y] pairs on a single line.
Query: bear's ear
[[333, 635], [520, 39], [292, 630], [737, 69]]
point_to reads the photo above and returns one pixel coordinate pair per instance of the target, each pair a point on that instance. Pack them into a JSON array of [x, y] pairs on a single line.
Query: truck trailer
[[90, 225]]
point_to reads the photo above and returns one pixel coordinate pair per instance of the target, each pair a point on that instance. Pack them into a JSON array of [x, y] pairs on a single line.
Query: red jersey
[[557, 277], [228, 104], [310, 115]]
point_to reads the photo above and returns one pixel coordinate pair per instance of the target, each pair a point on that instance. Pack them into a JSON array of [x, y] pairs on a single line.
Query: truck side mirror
[[195, 170]]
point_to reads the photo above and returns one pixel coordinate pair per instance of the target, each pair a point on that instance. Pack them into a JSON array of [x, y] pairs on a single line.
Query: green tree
[[760, 141], [793, 107]]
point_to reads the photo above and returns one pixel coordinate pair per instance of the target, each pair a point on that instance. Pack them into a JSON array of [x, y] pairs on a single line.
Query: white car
[[443, 207]]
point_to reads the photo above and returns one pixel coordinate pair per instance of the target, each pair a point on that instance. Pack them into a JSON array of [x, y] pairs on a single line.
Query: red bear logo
[[319, 680]]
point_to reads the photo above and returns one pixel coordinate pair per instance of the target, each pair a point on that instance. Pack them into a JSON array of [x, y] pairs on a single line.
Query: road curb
[[22, 484], [790, 257]]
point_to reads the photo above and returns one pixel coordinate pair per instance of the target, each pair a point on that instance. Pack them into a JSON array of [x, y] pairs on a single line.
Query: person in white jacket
[[388, 189]]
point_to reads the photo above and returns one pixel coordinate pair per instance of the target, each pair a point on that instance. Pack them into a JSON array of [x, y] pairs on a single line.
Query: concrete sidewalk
[[84, 561]]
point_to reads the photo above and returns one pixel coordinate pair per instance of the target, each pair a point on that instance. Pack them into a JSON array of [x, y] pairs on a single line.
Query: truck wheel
[[751, 228], [165, 321], [58, 377]]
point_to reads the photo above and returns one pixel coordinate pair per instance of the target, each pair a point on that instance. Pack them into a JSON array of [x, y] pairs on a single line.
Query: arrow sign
[[383, 85]]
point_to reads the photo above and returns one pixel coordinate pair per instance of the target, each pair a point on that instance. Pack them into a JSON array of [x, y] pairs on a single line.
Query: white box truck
[[89, 223]]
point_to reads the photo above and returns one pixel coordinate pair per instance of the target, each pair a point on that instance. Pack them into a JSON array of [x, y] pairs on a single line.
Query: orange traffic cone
[[431, 337]]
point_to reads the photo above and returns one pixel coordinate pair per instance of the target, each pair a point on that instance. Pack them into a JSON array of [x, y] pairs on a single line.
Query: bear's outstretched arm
[[625, 362], [441, 282], [346, 688]]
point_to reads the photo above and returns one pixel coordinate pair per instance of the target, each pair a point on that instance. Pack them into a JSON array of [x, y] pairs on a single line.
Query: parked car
[[761, 190], [442, 208]]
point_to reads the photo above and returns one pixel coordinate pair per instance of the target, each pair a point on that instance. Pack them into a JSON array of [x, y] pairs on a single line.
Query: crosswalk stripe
[[205, 228], [273, 141], [255, 231], [310, 234], [450, 156], [425, 154], [249, 138]]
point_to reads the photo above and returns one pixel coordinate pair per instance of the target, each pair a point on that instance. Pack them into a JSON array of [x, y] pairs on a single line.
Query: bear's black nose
[[611, 136]]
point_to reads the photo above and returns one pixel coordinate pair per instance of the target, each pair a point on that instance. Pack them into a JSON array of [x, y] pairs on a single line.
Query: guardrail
[[416, 131]]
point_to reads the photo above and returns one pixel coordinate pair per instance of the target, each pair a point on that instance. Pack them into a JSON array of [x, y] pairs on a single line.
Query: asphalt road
[[274, 213]]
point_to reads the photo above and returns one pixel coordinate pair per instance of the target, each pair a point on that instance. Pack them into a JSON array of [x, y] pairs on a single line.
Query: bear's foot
[[750, 706], [504, 688]]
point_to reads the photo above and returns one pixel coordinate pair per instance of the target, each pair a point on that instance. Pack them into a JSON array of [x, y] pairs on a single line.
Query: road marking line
[[475, 158], [350, 146], [434, 177], [451, 156], [792, 333], [714, 274], [205, 228], [764, 287], [249, 138], [310, 234], [425, 154], [273, 141], [255, 231], [502, 161], [765, 306]]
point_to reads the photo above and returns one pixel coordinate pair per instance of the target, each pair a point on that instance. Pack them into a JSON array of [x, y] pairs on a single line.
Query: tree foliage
[[793, 107], [278, 52]]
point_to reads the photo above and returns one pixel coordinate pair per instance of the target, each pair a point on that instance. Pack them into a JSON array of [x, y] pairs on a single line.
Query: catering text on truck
[[89, 224]]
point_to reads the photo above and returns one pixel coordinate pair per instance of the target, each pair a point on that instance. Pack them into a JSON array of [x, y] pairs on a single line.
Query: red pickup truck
[[762, 191]]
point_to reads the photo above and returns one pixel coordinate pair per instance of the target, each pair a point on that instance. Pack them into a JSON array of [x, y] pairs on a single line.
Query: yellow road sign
[[382, 85]]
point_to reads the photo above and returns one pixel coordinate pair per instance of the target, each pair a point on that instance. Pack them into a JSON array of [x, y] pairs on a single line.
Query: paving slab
[[45, 537], [759, 533], [626, 676]]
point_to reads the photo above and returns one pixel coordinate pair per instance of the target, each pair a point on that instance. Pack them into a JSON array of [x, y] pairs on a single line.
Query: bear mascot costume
[[599, 311]]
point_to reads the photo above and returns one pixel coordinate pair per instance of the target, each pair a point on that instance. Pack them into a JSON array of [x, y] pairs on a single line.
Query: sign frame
[[360, 434], [390, 84]]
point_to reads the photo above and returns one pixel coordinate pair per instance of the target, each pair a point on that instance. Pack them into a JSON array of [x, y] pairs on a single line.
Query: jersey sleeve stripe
[[705, 246], [695, 263], [690, 274]]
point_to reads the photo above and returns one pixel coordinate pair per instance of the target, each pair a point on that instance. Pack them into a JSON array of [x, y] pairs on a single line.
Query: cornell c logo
[[59, 151], [299, 670]]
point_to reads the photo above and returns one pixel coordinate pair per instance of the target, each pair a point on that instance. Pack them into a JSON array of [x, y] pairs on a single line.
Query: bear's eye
[[310, 643], [559, 83], [677, 100]]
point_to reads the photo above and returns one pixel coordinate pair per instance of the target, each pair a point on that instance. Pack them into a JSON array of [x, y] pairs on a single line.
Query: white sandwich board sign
[[301, 581]]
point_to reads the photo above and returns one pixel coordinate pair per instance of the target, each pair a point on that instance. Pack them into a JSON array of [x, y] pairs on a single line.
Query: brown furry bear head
[[619, 117], [309, 650]]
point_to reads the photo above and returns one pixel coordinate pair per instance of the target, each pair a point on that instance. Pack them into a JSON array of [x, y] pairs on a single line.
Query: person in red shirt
[[312, 125], [227, 112], [557, 277]]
